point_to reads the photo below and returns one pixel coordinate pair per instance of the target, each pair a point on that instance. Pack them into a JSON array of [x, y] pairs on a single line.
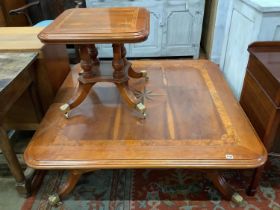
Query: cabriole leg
[[225, 189], [131, 72], [88, 55], [66, 188]]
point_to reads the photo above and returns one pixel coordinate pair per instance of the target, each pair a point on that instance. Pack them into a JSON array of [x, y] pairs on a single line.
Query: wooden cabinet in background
[[9, 20], [2, 17], [260, 96]]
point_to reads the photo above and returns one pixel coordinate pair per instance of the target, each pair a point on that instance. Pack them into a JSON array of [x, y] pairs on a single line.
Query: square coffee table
[[193, 121]]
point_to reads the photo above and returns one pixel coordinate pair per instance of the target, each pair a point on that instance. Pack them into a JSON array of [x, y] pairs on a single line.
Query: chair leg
[[22, 185]]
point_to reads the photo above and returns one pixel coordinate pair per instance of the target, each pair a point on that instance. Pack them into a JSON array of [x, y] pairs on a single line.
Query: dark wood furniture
[[6, 19], [17, 74], [49, 68], [116, 26], [193, 122], [26, 10], [52, 65], [260, 96], [50, 9]]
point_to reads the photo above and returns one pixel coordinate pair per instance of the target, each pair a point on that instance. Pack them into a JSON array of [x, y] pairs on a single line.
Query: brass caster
[[141, 108], [145, 74], [237, 199], [65, 108], [54, 200]]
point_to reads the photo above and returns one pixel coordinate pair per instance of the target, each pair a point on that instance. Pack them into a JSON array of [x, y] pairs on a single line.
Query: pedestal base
[[93, 71]]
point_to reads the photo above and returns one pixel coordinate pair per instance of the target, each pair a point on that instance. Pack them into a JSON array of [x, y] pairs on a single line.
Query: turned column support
[[88, 55], [92, 73], [86, 60], [123, 54], [118, 63], [94, 54]]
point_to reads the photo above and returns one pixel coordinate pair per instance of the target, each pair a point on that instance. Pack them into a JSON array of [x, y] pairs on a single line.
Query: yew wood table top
[[193, 121], [98, 25]]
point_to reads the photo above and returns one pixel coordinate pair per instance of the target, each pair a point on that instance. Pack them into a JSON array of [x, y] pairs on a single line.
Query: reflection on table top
[[193, 122]]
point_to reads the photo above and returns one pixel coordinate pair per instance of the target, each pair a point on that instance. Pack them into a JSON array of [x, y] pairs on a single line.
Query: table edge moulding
[[54, 147], [51, 35], [119, 25]]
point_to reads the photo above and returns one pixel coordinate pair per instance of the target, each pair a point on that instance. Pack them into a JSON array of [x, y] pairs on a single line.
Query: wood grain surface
[[193, 122], [98, 25]]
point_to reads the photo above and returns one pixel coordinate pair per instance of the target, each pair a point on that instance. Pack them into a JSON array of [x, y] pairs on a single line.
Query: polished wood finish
[[261, 92], [260, 97], [220, 183], [68, 186], [17, 74], [110, 25], [193, 121]]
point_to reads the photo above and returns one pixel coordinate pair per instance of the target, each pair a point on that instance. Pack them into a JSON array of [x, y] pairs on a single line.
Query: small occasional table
[[86, 27], [194, 122], [17, 74]]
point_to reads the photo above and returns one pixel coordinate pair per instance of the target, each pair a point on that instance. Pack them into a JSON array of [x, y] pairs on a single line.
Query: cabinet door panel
[[236, 56], [177, 36], [105, 50], [183, 27], [152, 46]]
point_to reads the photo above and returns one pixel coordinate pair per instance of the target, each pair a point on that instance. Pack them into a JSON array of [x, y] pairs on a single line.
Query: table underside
[[193, 122]]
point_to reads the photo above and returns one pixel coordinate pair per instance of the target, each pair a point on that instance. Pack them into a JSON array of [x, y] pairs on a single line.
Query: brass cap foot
[[65, 108], [54, 200], [145, 74], [141, 108], [237, 199]]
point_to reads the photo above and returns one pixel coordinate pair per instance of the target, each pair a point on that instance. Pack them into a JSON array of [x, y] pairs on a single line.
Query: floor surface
[[9, 198]]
